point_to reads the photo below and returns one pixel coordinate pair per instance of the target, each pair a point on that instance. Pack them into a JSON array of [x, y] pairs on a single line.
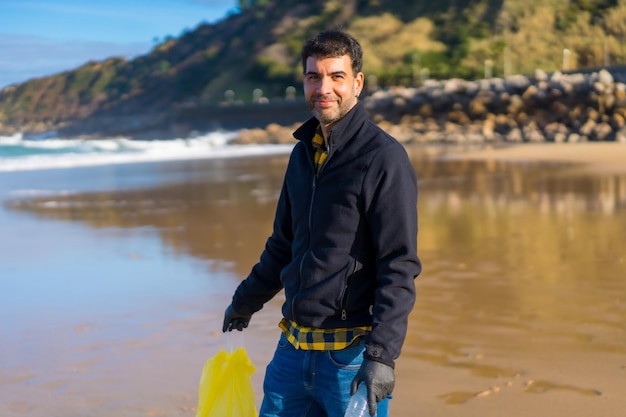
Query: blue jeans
[[308, 383]]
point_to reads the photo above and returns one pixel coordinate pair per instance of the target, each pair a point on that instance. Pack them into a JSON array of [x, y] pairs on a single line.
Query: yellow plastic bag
[[226, 387]]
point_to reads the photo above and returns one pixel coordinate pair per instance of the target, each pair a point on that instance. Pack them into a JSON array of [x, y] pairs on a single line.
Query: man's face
[[331, 88]]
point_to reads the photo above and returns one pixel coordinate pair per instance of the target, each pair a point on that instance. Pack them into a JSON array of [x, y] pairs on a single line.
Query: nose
[[325, 85]]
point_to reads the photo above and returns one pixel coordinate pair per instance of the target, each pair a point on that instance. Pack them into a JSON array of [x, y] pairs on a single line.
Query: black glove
[[379, 380], [234, 320]]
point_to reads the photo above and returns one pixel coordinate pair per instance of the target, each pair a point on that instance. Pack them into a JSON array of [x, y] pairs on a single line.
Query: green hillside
[[258, 48]]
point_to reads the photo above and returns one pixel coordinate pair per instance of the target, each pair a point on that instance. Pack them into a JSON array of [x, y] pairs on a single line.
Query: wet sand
[[546, 381], [504, 360], [596, 156]]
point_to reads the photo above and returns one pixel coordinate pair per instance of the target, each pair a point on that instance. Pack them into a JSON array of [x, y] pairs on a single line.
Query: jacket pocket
[[348, 358], [347, 287]]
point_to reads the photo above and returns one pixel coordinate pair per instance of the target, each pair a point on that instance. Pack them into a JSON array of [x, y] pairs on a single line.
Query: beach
[[116, 279], [592, 156]]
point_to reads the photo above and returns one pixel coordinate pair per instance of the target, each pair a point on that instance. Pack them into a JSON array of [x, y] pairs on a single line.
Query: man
[[343, 248]]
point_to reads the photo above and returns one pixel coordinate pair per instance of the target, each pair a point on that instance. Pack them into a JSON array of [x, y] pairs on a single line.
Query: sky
[[45, 37]]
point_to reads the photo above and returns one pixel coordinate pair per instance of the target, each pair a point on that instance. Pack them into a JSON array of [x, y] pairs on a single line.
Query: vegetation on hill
[[255, 52]]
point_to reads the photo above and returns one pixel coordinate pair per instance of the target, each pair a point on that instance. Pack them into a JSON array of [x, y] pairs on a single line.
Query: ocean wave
[[20, 154]]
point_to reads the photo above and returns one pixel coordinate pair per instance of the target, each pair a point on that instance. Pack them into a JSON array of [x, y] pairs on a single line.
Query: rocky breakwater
[[540, 108], [557, 107]]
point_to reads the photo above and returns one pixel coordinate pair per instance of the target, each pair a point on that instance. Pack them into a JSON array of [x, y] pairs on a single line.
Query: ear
[[359, 80]]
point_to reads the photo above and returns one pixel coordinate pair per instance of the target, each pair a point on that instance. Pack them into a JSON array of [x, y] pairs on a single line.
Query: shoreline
[[598, 157]]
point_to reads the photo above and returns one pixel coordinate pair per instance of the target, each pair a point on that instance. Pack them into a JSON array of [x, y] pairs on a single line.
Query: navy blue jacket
[[344, 244]]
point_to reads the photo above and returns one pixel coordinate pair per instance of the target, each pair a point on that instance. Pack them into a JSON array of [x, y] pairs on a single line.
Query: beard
[[331, 115]]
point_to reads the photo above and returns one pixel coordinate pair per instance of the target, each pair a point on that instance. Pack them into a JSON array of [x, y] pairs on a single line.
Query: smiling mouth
[[324, 103], [325, 99]]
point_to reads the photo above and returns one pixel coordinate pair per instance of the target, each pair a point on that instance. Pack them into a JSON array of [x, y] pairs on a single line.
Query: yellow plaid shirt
[[319, 157], [310, 338]]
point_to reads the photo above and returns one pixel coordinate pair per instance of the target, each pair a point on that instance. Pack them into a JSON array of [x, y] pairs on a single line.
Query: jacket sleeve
[[264, 282], [390, 193]]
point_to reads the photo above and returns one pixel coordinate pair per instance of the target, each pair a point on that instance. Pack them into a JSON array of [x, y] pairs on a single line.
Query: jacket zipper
[[309, 221]]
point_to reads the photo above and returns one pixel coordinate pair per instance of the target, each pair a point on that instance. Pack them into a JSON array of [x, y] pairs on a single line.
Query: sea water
[[41, 258], [18, 153]]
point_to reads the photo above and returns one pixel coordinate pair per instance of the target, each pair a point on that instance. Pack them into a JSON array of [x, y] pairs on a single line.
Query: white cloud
[[44, 37]]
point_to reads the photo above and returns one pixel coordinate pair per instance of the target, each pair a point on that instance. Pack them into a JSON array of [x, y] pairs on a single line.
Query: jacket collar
[[341, 132]]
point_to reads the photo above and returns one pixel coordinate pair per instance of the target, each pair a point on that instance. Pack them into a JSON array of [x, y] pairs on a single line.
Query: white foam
[[34, 192], [69, 153], [11, 140]]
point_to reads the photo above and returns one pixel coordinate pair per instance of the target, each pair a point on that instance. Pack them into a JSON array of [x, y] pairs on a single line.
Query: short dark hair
[[333, 44]]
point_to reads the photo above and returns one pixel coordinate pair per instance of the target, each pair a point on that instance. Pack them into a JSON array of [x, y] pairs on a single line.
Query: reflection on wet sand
[[535, 387], [522, 261], [224, 215]]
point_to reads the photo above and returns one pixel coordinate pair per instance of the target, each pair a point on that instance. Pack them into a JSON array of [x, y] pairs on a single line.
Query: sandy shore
[[148, 362], [596, 156]]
